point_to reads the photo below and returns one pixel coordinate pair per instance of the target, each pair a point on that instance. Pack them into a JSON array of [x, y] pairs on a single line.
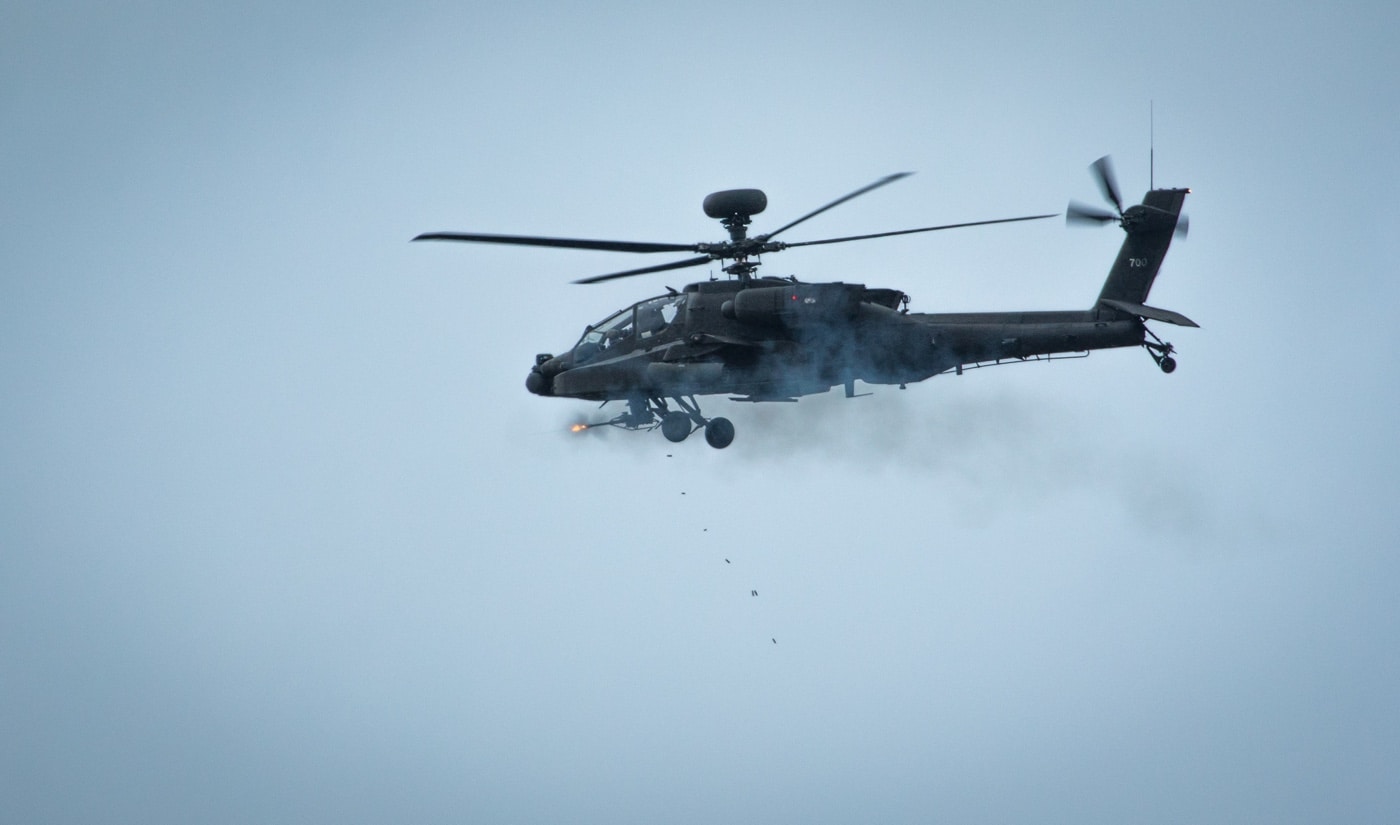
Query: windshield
[[613, 328], [621, 330]]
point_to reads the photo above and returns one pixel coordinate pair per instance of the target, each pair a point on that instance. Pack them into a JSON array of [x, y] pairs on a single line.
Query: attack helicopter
[[759, 339]]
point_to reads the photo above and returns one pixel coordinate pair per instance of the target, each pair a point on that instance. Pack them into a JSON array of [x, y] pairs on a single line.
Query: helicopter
[[764, 339]]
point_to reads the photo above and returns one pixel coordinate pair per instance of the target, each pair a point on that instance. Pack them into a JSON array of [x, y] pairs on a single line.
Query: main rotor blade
[[1083, 213], [567, 243], [876, 185], [596, 279], [924, 229], [1108, 182]]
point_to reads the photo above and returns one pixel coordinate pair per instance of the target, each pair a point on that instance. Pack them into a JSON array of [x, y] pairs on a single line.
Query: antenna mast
[[1151, 148]]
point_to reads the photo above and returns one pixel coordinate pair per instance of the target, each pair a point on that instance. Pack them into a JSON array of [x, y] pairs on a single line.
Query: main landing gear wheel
[[676, 426], [1168, 364], [719, 433], [645, 412]]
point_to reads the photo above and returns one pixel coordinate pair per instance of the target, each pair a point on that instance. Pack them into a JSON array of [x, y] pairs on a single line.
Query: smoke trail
[[994, 448]]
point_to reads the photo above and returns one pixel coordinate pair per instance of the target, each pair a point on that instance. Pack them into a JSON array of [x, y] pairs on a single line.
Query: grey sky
[[283, 538]]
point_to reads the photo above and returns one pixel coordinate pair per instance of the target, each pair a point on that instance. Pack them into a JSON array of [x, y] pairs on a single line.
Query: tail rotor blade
[[1108, 182], [1081, 213]]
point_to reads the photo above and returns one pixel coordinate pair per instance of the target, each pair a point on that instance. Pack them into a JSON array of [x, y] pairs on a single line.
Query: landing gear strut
[[1161, 352], [676, 425]]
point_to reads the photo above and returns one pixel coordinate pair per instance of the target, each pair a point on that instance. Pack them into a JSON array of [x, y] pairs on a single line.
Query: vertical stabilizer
[[1150, 227]]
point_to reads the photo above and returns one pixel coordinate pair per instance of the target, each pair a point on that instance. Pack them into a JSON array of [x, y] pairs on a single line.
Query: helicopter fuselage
[[774, 339]]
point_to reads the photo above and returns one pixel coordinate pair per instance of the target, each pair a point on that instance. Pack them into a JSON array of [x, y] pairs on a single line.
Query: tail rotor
[[1102, 170], [1082, 213]]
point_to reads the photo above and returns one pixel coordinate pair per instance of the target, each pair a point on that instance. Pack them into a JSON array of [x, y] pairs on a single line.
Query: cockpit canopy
[[623, 329]]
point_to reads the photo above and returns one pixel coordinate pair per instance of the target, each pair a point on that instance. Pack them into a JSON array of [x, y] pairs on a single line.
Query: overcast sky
[[283, 538]]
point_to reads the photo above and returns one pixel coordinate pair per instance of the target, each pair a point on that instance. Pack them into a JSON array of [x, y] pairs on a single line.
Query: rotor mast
[[734, 209]]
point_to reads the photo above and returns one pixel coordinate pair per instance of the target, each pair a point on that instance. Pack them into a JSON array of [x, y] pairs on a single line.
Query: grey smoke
[[996, 448]]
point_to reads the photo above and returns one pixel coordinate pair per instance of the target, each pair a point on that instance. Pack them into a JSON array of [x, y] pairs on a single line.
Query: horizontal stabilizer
[[1150, 313]]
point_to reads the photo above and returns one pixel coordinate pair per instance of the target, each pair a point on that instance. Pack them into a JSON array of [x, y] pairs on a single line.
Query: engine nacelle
[[795, 304]]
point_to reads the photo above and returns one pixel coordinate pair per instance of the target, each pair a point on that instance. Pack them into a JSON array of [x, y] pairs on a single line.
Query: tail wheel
[[1161, 352], [719, 433]]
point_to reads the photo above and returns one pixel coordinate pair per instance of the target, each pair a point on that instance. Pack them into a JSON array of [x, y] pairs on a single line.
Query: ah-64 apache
[[759, 338]]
